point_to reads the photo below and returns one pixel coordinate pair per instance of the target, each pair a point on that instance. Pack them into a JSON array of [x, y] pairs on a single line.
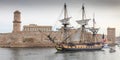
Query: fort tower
[[17, 22]]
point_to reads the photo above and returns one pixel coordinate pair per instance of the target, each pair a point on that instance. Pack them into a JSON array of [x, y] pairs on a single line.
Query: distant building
[[36, 28], [111, 35]]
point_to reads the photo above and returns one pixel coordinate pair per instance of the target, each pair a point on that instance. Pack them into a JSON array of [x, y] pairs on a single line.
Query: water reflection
[[15, 54], [50, 54], [81, 55], [112, 49]]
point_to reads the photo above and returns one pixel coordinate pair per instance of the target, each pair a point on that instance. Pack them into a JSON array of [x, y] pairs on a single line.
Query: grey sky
[[56, 2], [46, 12]]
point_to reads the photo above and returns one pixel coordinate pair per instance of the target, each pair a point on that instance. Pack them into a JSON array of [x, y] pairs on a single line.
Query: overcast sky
[[47, 12]]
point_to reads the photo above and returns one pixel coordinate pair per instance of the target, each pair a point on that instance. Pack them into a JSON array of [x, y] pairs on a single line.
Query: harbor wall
[[31, 39], [24, 39]]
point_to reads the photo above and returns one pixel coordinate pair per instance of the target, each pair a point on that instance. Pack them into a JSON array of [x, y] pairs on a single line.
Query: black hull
[[78, 49]]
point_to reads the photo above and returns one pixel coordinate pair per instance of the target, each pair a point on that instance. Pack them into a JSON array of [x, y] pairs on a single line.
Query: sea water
[[51, 54]]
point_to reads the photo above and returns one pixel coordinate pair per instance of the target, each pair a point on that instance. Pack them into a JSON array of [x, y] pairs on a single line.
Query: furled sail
[[65, 20], [94, 30], [83, 22]]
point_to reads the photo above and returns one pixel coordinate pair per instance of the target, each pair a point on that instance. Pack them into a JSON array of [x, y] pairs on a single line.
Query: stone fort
[[33, 35]]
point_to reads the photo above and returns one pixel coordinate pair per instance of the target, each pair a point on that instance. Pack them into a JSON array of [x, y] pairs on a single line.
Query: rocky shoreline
[[28, 45]]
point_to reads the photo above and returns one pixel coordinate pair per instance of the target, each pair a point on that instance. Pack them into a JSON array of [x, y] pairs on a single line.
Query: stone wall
[[32, 39], [24, 39]]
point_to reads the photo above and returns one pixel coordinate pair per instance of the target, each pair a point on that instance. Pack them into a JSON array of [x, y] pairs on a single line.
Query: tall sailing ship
[[84, 43]]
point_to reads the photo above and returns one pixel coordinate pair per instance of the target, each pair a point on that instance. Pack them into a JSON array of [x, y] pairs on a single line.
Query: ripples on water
[[50, 54]]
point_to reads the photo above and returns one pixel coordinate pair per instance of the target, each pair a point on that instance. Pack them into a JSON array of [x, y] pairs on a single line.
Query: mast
[[94, 32], [94, 21], [83, 12], [65, 11], [83, 23], [65, 23], [83, 26], [93, 29]]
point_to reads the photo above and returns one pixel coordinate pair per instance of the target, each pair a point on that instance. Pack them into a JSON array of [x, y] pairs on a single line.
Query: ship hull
[[78, 49], [81, 49], [88, 48]]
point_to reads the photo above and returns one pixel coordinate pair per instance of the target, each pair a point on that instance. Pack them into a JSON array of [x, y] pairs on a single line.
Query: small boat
[[105, 46], [112, 50]]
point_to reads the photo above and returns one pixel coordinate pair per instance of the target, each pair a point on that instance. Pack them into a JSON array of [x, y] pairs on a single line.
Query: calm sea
[[50, 54]]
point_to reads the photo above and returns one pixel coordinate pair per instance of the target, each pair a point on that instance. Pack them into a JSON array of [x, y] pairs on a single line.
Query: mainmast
[[65, 23], [83, 23], [65, 11], [83, 12]]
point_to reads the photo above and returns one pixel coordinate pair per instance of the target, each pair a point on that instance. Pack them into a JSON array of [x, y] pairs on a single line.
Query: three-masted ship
[[86, 42], [83, 45]]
